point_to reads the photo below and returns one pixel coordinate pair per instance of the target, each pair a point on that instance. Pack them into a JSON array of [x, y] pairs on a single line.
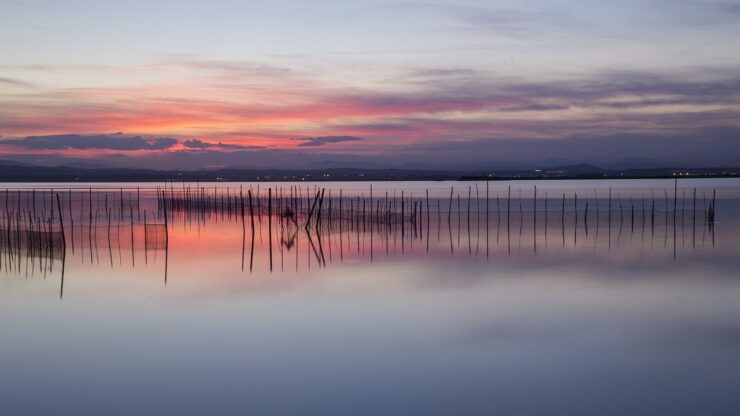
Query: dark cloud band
[[97, 142], [320, 141], [197, 144]]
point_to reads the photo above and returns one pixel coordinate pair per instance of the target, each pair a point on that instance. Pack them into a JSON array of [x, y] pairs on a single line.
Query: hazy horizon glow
[[366, 81]]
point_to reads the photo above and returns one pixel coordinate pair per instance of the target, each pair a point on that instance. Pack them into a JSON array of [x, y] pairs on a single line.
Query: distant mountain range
[[21, 172], [4, 162]]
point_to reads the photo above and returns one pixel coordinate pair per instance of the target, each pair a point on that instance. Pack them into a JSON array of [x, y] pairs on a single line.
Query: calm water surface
[[477, 304]]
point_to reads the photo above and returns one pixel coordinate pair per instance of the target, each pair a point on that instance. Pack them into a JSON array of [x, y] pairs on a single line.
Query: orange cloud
[[241, 104]]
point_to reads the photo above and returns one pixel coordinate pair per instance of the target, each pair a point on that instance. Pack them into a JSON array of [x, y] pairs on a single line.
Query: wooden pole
[[61, 221], [449, 212]]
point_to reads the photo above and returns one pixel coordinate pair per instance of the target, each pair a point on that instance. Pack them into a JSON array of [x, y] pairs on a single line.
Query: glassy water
[[478, 299]]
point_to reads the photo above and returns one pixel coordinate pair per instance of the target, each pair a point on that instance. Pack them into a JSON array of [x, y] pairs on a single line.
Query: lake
[[415, 298]]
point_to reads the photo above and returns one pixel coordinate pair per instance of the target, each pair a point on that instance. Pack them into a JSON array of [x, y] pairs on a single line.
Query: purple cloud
[[116, 141], [320, 141], [196, 144]]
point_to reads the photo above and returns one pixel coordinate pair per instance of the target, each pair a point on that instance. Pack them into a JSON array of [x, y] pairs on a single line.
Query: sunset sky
[[328, 83]]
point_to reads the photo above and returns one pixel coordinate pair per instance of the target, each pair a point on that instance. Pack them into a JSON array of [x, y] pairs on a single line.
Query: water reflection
[[473, 300], [312, 228]]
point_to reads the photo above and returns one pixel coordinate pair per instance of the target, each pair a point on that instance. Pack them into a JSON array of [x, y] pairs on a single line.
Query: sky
[[328, 83]]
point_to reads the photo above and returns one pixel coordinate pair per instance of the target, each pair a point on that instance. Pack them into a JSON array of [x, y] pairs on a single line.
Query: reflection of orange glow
[[208, 253]]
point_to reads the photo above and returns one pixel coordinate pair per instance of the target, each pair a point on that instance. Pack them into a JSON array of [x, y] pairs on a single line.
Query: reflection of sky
[[580, 328], [247, 78], [360, 332]]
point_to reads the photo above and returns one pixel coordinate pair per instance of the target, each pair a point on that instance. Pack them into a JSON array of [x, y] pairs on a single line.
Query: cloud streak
[[197, 144], [243, 107], [15, 82], [702, 147], [501, 21], [321, 141], [476, 100], [98, 142]]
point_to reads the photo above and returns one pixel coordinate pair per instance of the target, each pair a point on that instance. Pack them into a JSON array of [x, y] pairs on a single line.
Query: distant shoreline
[[21, 174]]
